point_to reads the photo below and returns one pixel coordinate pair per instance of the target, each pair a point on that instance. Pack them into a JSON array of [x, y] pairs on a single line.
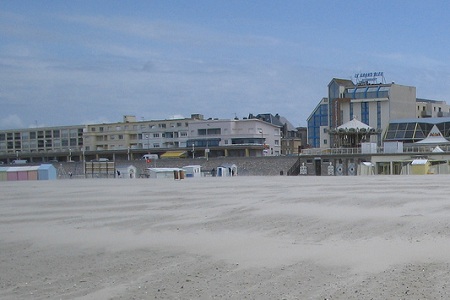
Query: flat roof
[[422, 120]]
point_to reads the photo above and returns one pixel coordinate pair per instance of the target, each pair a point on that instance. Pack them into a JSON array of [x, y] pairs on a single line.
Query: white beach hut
[[193, 171], [126, 171], [165, 173], [226, 170]]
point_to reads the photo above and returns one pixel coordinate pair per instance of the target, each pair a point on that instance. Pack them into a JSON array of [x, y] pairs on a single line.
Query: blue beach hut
[[46, 172]]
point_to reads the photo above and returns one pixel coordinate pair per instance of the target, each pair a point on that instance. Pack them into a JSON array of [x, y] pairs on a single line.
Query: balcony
[[426, 114]]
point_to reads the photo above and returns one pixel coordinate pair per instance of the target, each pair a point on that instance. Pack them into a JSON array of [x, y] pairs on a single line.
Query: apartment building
[[43, 143], [432, 108], [130, 139], [236, 137]]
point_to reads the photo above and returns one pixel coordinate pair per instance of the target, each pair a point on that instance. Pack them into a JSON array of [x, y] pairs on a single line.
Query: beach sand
[[374, 237]]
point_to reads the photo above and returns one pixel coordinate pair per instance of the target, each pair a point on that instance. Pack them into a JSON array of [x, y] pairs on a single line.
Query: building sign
[[372, 77]]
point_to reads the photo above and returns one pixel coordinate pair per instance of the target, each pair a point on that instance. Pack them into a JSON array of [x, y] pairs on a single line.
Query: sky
[[83, 62]]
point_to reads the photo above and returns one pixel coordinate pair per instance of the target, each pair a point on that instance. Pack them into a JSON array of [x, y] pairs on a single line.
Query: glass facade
[[411, 131], [365, 112], [367, 92], [317, 119]]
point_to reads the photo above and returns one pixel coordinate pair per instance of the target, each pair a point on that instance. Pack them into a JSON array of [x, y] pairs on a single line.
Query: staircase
[[295, 169]]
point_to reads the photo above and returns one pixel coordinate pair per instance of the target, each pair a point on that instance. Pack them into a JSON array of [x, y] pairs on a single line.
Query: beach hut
[[225, 170], [193, 170], [22, 173], [126, 171], [171, 173], [420, 166], [366, 168], [3, 173], [47, 172]]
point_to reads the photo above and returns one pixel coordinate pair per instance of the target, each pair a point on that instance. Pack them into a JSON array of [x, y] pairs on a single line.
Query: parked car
[[19, 161], [150, 156], [101, 159]]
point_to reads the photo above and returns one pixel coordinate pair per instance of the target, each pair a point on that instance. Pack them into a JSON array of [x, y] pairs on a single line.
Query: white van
[[150, 156]]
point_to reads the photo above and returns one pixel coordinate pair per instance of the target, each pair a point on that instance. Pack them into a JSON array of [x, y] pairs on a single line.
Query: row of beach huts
[[192, 171], [41, 172], [49, 172]]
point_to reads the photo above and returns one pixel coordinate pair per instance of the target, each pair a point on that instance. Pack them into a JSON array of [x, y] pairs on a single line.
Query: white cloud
[[11, 121]]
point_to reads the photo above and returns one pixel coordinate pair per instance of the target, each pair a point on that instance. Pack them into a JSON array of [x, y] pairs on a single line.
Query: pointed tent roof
[[354, 124], [434, 137], [437, 149]]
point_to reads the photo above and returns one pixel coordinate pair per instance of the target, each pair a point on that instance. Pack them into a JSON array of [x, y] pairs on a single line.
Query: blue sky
[[77, 62]]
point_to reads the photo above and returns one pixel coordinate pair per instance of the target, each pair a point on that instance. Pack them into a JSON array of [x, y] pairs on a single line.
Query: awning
[[419, 161], [173, 154]]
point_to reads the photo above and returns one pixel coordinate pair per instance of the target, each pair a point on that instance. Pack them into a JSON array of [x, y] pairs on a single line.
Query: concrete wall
[[402, 102], [247, 166]]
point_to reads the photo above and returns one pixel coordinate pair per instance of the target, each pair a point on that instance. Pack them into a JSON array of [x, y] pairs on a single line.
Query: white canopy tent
[[435, 137]]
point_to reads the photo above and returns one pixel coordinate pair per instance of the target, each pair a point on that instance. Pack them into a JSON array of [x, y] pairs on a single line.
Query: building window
[[156, 135], [156, 145], [365, 112], [378, 114], [325, 141], [209, 131], [120, 136]]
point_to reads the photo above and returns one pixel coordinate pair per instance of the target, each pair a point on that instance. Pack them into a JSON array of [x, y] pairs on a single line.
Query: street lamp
[[148, 143], [70, 154]]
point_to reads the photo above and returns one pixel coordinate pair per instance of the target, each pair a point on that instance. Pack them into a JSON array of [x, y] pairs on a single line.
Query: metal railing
[[379, 150]]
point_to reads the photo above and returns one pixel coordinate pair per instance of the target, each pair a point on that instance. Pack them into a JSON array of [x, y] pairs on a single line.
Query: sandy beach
[[374, 237]]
